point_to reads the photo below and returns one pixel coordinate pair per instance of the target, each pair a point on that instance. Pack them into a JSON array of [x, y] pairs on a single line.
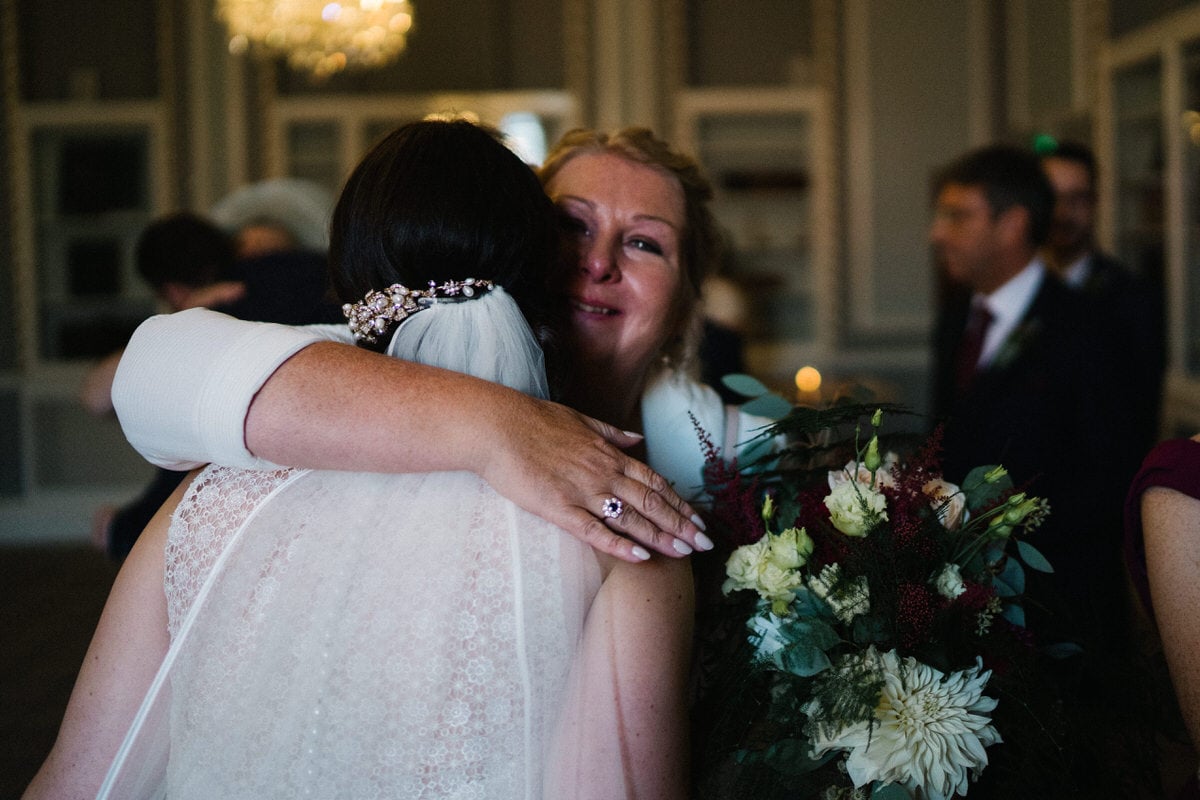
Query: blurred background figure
[[276, 214], [188, 262], [1024, 377], [1122, 303], [1021, 379], [262, 256]]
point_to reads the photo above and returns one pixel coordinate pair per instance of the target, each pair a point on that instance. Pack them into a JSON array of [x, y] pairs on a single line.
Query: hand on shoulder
[[563, 466]]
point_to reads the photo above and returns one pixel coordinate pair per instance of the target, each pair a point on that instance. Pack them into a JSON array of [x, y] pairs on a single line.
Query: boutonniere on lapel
[[1021, 337]]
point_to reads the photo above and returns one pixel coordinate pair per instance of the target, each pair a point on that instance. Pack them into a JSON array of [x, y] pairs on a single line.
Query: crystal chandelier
[[321, 37]]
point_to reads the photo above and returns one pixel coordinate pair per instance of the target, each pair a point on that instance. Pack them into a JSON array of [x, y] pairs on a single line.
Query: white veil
[[486, 336]]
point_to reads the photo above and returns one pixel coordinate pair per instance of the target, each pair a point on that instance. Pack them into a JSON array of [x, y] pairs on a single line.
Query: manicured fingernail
[[640, 552], [699, 523], [703, 542], [634, 434], [681, 547]]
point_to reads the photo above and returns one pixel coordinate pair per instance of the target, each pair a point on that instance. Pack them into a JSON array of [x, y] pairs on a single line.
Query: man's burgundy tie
[[969, 348]]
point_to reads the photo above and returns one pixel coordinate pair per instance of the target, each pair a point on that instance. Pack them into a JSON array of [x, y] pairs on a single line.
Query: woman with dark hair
[[197, 387], [375, 635]]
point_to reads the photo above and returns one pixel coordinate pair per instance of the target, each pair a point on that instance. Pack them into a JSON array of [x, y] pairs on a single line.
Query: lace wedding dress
[[356, 635]]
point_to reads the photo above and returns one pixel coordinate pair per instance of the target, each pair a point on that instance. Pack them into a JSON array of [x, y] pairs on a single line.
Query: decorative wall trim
[[865, 317], [1086, 29], [980, 113], [199, 81], [1017, 67], [237, 129], [577, 63], [859, 160], [18, 169]]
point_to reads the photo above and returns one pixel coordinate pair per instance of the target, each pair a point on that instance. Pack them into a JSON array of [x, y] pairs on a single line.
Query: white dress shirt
[[1008, 305]]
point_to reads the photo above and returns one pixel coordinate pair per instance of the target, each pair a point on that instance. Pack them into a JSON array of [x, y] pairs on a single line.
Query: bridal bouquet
[[883, 619]]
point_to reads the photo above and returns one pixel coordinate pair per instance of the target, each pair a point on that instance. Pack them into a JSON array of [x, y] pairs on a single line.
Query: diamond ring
[[613, 508]]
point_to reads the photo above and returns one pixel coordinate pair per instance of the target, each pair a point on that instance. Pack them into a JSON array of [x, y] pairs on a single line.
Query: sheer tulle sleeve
[[624, 731]]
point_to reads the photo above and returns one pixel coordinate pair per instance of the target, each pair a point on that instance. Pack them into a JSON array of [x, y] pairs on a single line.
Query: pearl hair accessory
[[373, 316]]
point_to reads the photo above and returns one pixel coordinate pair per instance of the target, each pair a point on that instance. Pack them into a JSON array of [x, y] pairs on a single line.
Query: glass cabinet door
[[1139, 175], [759, 165], [92, 198]]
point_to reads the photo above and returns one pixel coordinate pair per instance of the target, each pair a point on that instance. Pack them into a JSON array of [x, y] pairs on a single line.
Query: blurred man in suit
[[1124, 304], [1023, 379]]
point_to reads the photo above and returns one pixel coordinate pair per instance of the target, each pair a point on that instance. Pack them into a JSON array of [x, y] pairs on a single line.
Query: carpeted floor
[[50, 600]]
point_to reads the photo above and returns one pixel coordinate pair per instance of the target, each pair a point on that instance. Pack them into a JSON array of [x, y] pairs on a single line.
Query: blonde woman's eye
[[649, 245]]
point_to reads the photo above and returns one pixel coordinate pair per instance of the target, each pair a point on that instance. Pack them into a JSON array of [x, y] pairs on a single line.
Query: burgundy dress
[[1174, 464]]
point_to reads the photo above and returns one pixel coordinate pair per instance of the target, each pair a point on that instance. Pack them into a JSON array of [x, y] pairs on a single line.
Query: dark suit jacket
[[1047, 410], [1129, 309]]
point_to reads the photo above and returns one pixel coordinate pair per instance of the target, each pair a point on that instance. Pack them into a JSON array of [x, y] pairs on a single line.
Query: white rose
[[949, 583], [778, 586], [855, 471], [744, 565], [791, 548], [854, 508], [947, 502]]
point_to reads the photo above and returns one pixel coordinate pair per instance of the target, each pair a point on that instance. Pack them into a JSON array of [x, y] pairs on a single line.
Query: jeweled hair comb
[[372, 317]]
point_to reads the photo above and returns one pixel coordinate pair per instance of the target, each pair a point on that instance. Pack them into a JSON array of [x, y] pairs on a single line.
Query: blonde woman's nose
[[599, 261]]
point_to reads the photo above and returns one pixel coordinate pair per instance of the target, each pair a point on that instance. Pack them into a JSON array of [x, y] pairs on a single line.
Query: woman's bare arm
[[360, 410], [199, 386], [625, 732], [1171, 528], [130, 642]]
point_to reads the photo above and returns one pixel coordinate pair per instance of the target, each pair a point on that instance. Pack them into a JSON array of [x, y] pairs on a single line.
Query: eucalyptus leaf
[[815, 632], [803, 660], [1013, 575], [771, 406], [757, 454], [807, 605], [745, 385], [1033, 557], [1003, 588], [1014, 614], [979, 492]]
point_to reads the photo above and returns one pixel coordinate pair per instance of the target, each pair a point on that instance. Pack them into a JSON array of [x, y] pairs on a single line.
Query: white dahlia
[[929, 733]]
